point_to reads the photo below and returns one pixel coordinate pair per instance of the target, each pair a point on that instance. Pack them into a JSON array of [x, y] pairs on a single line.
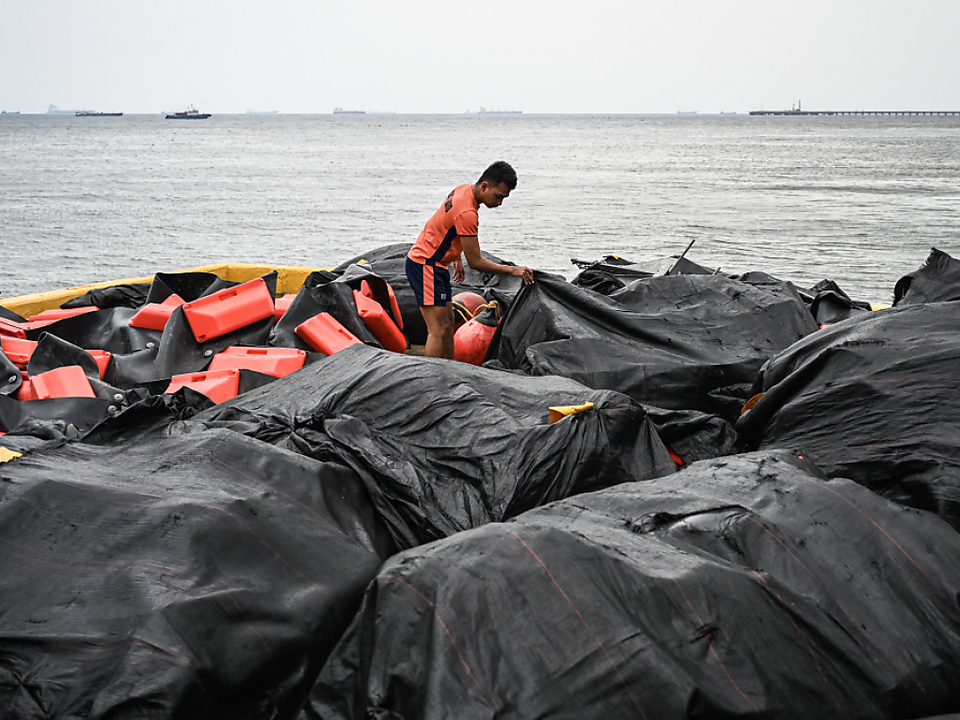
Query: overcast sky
[[428, 56]]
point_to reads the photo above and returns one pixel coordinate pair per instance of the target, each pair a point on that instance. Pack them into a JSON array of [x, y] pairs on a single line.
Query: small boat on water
[[191, 113]]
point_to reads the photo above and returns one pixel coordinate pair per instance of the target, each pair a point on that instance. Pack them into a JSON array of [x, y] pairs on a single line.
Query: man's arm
[[471, 251]]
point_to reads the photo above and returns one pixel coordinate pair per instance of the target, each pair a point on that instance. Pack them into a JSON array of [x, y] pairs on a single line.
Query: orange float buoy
[[380, 323], [472, 340], [325, 334]]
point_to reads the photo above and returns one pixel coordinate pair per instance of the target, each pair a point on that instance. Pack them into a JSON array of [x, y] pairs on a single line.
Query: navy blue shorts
[[431, 284]]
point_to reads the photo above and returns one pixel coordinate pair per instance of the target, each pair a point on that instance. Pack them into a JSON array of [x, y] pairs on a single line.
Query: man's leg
[[439, 320]]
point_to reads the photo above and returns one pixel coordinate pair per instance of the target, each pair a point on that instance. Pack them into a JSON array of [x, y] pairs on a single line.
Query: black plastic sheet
[[874, 399], [667, 341], [938, 280], [443, 446], [205, 575], [744, 587]]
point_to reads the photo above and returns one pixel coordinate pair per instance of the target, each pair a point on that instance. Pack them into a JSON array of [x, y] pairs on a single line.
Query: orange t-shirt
[[439, 241]]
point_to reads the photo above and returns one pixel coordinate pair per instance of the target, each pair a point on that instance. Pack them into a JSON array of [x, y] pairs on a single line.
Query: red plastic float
[[472, 340], [67, 381], [218, 385], [103, 358], [325, 334], [280, 306], [51, 316], [17, 350], [154, 316], [380, 323], [276, 361], [229, 309]]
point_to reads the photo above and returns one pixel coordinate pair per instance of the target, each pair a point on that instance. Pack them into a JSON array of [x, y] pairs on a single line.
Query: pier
[[855, 112]]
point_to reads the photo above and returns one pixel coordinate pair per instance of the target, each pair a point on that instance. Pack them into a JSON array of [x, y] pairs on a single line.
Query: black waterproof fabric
[[205, 575], [744, 587], [938, 280], [831, 304], [667, 341], [874, 399], [444, 446], [128, 296]]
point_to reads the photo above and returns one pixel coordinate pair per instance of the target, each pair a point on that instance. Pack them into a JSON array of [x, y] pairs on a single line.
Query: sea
[[859, 200]]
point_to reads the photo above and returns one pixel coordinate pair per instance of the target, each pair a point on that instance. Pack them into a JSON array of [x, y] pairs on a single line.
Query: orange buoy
[[324, 333], [380, 323], [472, 340], [276, 361], [66, 381], [218, 385], [154, 316], [229, 309]]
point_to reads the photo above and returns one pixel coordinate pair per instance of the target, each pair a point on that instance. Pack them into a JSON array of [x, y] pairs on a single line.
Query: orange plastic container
[[154, 316], [67, 381], [229, 310], [394, 306], [380, 324], [325, 334], [9, 328], [17, 350], [281, 305], [278, 362], [61, 313], [25, 392], [471, 341], [103, 358], [218, 385]]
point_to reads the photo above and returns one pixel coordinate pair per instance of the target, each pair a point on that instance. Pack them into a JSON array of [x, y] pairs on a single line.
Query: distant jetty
[[855, 112]]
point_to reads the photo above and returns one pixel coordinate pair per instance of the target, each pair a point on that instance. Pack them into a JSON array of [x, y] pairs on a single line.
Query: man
[[451, 231]]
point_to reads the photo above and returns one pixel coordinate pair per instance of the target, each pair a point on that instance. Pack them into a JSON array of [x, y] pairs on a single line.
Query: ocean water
[[857, 200]]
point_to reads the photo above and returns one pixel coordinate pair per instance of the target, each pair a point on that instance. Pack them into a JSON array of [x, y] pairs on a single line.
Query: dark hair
[[500, 172]]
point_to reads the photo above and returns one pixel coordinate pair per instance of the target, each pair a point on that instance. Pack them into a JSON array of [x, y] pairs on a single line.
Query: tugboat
[[191, 113]]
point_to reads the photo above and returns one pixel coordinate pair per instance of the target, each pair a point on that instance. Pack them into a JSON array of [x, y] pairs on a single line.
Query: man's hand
[[522, 272], [458, 273]]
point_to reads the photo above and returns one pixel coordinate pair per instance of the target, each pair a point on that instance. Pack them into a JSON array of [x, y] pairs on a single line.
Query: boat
[[95, 113], [191, 113], [485, 111], [341, 111]]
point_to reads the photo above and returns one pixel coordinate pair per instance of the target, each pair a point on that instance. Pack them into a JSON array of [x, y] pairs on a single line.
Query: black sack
[[744, 587], [874, 399], [667, 341], [937, 280], [202, 576], [444, 446]]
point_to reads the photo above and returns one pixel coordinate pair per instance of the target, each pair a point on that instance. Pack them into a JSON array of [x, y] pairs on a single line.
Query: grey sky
[[432, 56]]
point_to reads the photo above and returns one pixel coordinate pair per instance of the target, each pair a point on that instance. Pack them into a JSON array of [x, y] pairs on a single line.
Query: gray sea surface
[[857, 200]]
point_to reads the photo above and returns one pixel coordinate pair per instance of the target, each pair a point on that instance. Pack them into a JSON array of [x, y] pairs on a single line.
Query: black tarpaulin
[[744, 587], [874, 399], [667, 341], [444, 446], [204, 575], [937, 280]]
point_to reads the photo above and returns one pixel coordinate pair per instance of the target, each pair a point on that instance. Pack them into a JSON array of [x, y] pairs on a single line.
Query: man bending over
[[452, 230]]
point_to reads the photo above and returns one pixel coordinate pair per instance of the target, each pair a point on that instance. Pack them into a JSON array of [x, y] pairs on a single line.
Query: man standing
[[452, 230]]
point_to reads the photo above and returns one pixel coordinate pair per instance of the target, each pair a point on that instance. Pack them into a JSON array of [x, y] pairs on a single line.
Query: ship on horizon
[[341, 111], [96, 113], [485, 111]]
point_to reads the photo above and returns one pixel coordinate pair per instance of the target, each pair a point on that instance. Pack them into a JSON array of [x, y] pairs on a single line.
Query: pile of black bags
[[668, 493]]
